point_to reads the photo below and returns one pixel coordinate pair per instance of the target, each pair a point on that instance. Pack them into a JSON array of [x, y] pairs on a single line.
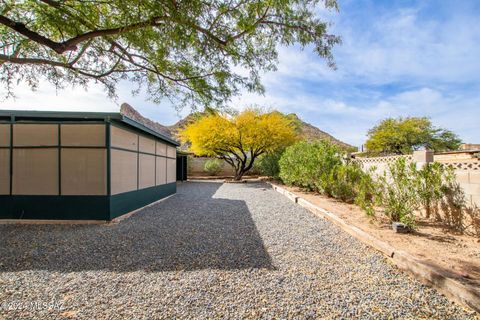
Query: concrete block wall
[[470, 183], [196, 167]]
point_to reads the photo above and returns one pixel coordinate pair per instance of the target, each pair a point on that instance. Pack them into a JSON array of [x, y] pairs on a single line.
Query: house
[[81, 166]]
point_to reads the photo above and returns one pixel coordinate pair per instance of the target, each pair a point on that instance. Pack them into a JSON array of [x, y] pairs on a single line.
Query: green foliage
[[404, 135], [319, 167], [213, 167], [368, 192], [343, 181], [399, 196], [239, 139], [268, 165], [402, 191], [309, 165], [433, 182], [197, 52], [407, 189]]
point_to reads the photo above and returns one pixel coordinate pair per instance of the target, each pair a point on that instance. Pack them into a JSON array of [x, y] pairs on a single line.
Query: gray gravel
[[211, 251]]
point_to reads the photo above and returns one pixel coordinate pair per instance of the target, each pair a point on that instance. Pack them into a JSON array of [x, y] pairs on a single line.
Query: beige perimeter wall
[[467, 172]]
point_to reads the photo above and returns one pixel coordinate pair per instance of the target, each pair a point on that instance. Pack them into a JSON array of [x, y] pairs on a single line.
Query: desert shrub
[[268, 164], [255, 170], [344, 181], [349, 183], [319, 167], [473, 212], [399, 195], [454, 211], [368, 192], [433, 183], [213, 166], [406, 190], [403, 189], [309, 165], [190, 160]]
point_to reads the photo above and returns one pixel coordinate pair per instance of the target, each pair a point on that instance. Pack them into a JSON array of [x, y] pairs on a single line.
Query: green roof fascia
[[69, 115], [59, 114], [143, 128]]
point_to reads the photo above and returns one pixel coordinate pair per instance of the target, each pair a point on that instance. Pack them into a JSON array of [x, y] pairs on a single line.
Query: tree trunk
[[240, 172], [428, 209]]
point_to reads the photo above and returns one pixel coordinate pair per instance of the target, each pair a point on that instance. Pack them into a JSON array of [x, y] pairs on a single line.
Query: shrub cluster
[[407, 189], [212, 166], [268, 164], [402, 191], [319, 167]]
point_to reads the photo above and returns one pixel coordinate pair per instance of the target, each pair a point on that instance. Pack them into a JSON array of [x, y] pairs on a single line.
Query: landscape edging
[[428, 274]]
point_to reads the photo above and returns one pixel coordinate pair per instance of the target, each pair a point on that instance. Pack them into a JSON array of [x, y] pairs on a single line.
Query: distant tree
[[239, 139], [404, 135], [189, 50]]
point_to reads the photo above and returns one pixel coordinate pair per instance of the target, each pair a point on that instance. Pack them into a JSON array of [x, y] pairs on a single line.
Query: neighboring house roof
[[20, 115]]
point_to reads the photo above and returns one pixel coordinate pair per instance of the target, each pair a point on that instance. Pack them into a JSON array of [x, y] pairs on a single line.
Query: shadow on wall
[[190, 231]]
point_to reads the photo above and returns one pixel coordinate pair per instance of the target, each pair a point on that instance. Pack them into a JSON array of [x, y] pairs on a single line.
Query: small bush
[[309, 165], [268, 164], [368, 192], [344, 181], [213, 167], [433, 182], [454, 211], [399, 195]]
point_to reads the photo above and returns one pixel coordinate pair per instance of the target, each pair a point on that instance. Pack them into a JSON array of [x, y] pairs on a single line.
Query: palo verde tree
[[239, 139], [189, 51], [404, 135]]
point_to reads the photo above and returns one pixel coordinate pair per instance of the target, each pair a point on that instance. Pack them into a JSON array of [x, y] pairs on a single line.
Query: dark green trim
[[109, 157], [83, 147], [36, 147], [155, 163], [141, 152], [125, 202], [138, 162], [182, 167], [58, 121], [146, 133], [11, 155], [81, 117], [59, 161], [143, 128], [55, 207], [81, 207]]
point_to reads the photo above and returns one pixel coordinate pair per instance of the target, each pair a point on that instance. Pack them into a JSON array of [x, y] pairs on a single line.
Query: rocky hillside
[[133, 114], [309, 132], [312, 133]]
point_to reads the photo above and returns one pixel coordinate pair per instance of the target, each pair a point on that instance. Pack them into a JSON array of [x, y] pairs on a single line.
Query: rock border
[[433, 276]]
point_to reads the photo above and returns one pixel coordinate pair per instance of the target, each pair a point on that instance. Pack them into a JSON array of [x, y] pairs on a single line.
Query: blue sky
[[398, 58]]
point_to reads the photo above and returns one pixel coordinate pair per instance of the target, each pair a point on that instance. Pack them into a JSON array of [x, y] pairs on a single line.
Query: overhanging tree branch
[[71, 44]]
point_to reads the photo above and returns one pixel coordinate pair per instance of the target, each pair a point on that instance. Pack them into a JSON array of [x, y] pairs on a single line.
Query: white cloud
[[91, 99], [395, 62], [350, 121]]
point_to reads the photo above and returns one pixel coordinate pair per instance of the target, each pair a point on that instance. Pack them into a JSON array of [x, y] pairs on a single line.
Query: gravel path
[[211, 251]]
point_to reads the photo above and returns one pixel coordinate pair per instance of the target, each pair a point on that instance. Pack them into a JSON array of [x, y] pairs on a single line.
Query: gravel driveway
[[211, 251]]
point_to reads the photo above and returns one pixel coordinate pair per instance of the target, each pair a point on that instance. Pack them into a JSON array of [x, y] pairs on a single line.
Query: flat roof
[[79, 116]]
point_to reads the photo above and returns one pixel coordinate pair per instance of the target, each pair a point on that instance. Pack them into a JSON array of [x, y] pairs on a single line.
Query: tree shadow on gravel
[[190, 231]]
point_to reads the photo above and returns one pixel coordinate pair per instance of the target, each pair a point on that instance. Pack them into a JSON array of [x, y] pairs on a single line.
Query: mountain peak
[[308, 131], [129, 111]]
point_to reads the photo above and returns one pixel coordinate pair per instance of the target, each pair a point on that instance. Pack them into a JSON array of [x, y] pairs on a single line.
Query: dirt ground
[[455, 253]]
